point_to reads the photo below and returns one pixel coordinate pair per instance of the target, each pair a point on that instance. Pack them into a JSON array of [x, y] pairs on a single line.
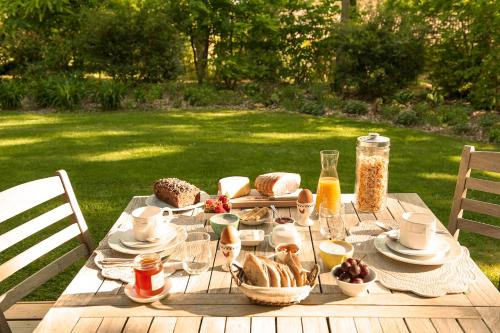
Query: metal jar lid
[[374, 140]]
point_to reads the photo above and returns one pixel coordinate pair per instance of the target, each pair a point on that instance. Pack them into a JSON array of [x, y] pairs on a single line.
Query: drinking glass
[[331, 224], [196, 253]]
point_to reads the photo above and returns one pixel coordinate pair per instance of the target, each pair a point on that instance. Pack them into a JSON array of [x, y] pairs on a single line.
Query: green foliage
[[404, 96], [390, 111], [407, 118], [377, 58], [110, 94], [453, 114], [312, 107], [64, 92], [11, 94], [119, 40], [464, 56], [494, 134], [488, 120], [201, 95], [355, 107]]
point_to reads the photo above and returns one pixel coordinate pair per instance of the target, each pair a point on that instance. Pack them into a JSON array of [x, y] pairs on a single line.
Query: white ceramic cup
[[230, 253], [417, 230], [304, 211], [146, 222]]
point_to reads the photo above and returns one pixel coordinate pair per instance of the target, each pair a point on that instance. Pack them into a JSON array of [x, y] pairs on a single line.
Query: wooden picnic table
[[211, 302]]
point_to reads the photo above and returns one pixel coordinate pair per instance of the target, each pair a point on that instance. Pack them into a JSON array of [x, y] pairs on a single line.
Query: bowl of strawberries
[[354, 277]]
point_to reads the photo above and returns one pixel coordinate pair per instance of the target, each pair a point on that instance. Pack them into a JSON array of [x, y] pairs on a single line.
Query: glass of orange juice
[[328, 192]]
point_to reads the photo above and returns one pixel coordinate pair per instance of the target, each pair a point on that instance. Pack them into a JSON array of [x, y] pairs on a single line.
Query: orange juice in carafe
[[328, 191]]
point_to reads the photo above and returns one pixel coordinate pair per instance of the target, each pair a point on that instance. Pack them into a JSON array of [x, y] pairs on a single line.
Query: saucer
[[165, 249], [132, 294], [454, 252], [439, 245], [166, 235]]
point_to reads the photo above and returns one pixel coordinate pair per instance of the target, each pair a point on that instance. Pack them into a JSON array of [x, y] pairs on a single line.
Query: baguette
[[273, 273], [293, 262], [285, 279], [256, 271]]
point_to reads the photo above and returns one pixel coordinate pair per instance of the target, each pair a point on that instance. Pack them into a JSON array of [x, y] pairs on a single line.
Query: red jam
[[283, 220], [149, 276]]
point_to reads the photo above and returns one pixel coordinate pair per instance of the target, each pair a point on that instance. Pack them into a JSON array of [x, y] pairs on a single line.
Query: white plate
[[167, 235], [438, 246], [438, 259], [152, 200], [266, 218], [165, 249], [251, 237], [131, 293]]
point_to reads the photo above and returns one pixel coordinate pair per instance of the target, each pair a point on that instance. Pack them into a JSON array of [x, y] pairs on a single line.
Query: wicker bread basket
[[273, 295]]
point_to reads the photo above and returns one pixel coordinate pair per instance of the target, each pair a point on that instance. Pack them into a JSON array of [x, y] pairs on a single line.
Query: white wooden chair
[[19, 199], [475, 160]]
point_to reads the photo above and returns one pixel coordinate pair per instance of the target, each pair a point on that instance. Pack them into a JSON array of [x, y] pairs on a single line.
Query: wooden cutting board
[[255, 199]]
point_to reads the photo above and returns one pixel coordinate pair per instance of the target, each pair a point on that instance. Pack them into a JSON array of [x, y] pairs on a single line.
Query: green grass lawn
[[112, 156]]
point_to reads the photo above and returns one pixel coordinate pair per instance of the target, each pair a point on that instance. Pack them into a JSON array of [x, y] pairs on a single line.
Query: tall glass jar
[[328, 192], [372, 173]]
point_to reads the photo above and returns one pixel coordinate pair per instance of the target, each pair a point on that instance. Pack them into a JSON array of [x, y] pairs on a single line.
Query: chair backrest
[[475, 160], [23, 197]]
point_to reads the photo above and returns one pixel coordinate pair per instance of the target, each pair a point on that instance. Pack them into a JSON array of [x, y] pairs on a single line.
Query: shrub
[[11, 94], [426, 114], [453, 114], [407, 118], [110, 94], [404, 96], [494, 134], [201, 95], [462, 128], [488, 120], [131, 42], [64, 92], [355, 107], [376, 58], [291, 97], [311, 107], [390, 111]]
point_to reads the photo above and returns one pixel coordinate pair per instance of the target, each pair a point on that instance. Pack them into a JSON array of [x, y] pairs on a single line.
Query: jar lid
[[374, 140]]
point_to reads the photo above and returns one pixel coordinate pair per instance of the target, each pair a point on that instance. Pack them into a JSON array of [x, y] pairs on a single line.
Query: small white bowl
[[280, 255], [355, 289], [251, 237]]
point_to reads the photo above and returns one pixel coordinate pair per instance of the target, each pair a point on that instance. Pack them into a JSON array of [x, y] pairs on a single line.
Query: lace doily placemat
[[429, 281]]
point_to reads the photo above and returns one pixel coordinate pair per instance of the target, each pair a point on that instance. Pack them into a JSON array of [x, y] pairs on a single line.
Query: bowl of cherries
[[354, 277]]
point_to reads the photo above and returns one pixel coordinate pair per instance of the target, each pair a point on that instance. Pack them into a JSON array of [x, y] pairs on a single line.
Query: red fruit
[[226, 207], [355, 270], [219, 209], [223, 199], [345, 266], [351, 261], [356, 280]]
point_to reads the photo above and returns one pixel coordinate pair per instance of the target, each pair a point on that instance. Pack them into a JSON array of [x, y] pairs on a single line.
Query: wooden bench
[[23, 317]]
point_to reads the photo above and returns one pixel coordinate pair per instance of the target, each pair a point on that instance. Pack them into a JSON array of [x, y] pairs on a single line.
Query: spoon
[[275, 212]]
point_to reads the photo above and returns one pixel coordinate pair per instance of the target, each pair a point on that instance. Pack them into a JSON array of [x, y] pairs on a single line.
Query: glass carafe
[[328, 192]]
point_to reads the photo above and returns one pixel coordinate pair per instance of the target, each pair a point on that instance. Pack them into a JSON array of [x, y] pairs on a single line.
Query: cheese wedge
[[234, 187]]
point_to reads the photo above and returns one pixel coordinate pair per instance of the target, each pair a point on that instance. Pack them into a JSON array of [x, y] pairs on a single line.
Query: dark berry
[[356, 280], [365, 271], [355, 270], [351, 261], [337, 271], [346, 266]]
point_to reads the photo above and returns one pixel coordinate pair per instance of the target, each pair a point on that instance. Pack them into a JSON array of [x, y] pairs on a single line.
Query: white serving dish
[[453, 253], [152, 200], [251, 237], [355, 289]]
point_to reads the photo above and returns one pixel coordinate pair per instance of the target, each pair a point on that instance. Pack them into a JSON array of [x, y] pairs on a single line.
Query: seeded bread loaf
[[176, 192]]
